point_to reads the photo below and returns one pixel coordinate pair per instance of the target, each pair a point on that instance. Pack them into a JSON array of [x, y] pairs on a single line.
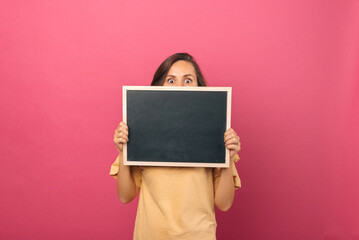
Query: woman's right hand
[[121, 136]]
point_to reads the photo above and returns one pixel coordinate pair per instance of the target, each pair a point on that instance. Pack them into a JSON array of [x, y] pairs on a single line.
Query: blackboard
[[176, 126]]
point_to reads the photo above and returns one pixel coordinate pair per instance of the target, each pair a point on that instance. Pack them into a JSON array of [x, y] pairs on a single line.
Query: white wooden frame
[[177, 164]]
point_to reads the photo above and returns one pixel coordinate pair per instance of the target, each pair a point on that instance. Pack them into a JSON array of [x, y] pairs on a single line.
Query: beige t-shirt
[[176, 202]]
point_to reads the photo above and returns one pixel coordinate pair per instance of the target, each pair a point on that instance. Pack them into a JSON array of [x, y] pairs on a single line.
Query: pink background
[[294, 69]]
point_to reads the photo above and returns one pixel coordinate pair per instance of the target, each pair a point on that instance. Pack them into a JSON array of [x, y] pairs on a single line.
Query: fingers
[[119, 140], [229, 131], [234, 147], [122, 131], [232, 141], [121, 135], [123, 124], [119, 143], [230, 137]]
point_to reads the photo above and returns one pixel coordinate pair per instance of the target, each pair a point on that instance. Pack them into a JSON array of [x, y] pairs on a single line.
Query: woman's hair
[[161, 72]]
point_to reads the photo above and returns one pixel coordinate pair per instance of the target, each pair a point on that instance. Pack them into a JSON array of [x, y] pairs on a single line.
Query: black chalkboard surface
[[176, 126]]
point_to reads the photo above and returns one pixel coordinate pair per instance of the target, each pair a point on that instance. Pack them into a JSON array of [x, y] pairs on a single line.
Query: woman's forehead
[[181, 68]]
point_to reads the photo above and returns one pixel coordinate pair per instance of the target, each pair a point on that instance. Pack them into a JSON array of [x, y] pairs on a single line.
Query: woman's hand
[[232, 142], [224, 192], [121, 136]]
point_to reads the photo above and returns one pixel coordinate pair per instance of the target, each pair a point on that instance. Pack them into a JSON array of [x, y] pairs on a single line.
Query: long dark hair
[[161, 72]]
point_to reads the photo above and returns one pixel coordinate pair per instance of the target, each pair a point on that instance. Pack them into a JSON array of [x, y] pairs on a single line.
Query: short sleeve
[[236, 179], [135, 171]]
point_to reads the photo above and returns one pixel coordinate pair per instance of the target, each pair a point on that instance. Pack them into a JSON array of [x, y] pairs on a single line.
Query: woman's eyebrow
[[171, 76], [188, 75]]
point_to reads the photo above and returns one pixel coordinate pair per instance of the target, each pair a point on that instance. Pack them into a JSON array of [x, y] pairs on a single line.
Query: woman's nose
[[180, 84]]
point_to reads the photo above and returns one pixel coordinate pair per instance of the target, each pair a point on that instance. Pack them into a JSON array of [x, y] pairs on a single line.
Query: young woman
[[176, 202]]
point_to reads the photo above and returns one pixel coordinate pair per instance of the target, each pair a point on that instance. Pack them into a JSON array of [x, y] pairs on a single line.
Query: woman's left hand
[[232, 142]]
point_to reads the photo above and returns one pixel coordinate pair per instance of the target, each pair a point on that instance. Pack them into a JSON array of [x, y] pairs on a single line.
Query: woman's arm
[[126, 187], [224, 192]]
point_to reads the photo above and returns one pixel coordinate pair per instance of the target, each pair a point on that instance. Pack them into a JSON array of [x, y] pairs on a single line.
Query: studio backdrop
[[293, 68]]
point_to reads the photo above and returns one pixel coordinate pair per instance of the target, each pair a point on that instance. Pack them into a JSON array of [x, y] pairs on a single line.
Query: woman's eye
[[171, 80], [188, 80]]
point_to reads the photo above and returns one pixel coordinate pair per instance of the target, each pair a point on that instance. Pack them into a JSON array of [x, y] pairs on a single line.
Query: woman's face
[[181, 74]]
